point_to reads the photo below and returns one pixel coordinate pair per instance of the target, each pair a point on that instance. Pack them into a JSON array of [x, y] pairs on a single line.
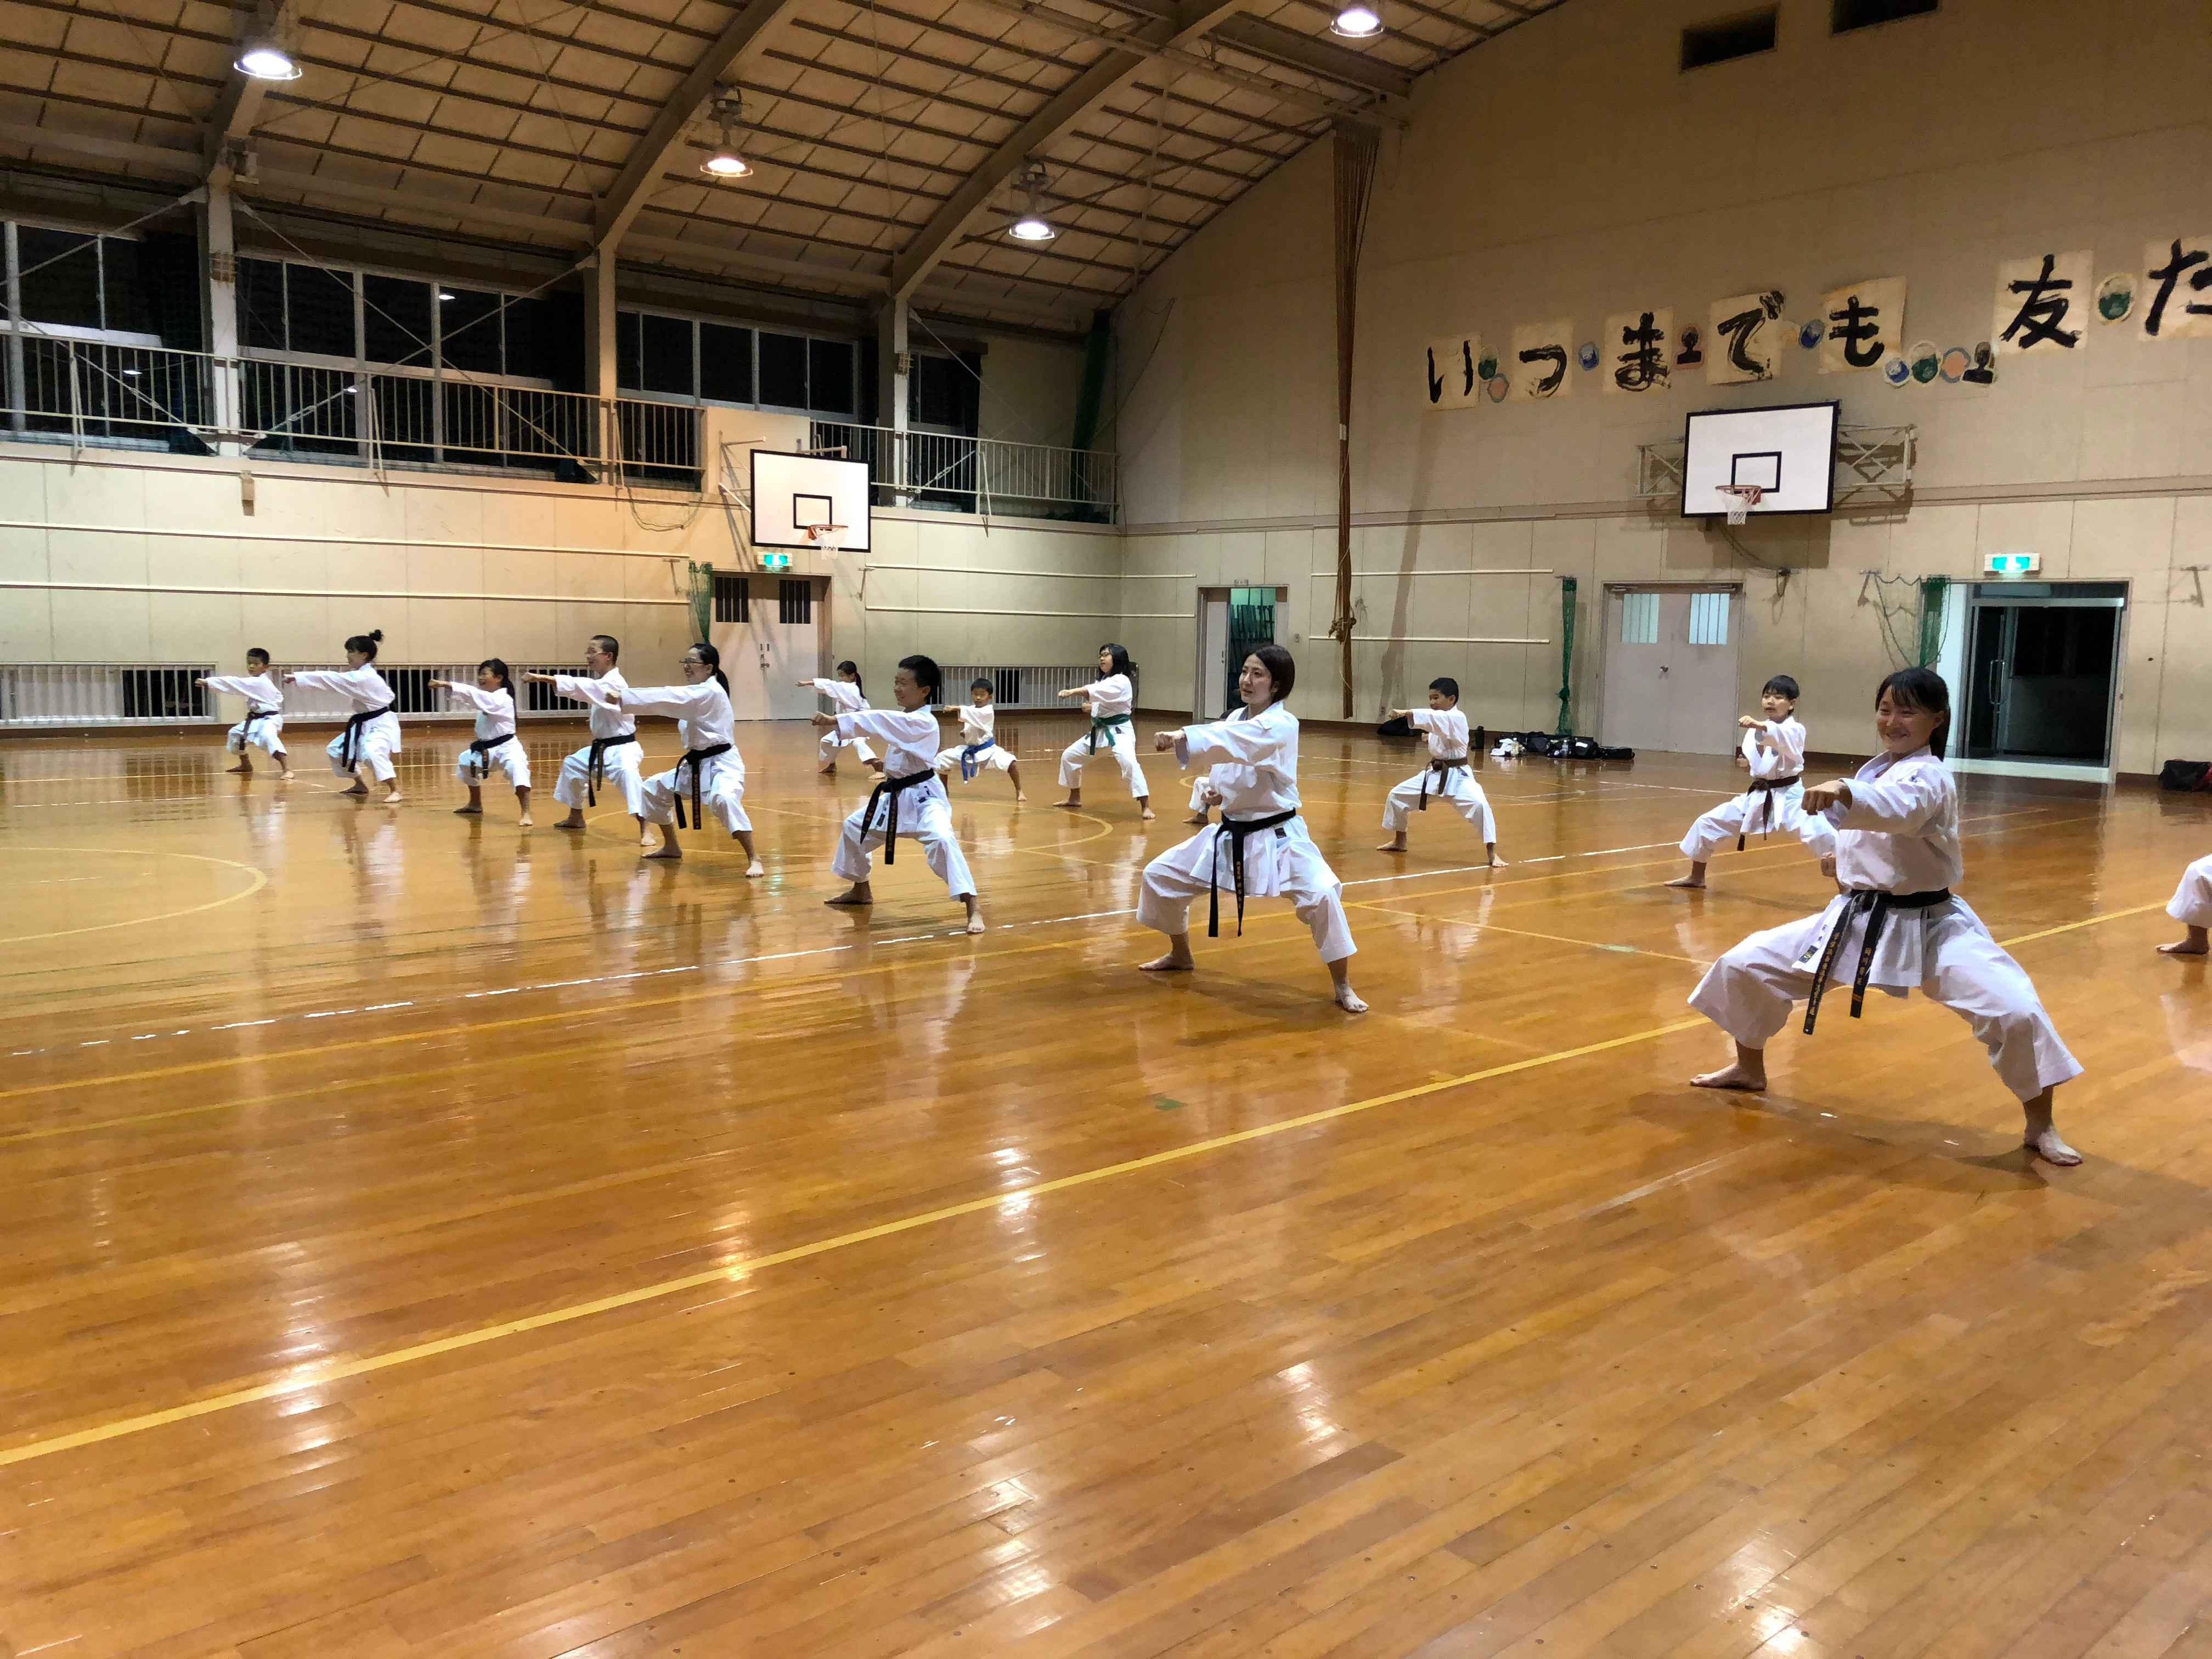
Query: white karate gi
[[376, 742], [977, 725], [619, 764], [1776, 749], [910, 746], [495, 719], [2192, 900], [265, 731], [1106, 698], [1254, 759], [1901, 835], [1446, 730], [846, 695], [704, 720]]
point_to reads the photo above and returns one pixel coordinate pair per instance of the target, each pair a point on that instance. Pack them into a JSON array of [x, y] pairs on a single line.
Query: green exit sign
[[2010, 564], [775, 561]]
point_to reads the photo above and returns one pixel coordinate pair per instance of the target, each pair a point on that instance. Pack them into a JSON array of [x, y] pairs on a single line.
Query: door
[[2041, 666], [1212, 655], [767, 629], [1670, 671]]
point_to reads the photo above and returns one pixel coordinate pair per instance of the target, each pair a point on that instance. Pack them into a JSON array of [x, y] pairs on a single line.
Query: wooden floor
[[420, 1237]]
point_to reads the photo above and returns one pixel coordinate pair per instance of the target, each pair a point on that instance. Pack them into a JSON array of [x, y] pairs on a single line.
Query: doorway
[[1670, 674], [2041, 672], [770, 630], [1231, 621]]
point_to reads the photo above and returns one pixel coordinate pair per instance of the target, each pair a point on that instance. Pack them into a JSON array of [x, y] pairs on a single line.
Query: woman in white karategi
[[495, 746], [1774, 753], [370, 737], [910, 799], [263, 725], [1448, 777], [2192, 907], [710, 773], [1893, 834], [1110, 698], [850, 695], [612, 758], [1261, 846]]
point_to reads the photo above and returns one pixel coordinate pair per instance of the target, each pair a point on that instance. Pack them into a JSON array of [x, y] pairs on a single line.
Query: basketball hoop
[[824, 535], [1741, 498]]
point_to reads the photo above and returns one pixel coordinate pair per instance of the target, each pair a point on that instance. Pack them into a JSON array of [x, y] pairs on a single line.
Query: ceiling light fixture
[[1358, 22], [1032, 226], [261, 53], [725, 162]]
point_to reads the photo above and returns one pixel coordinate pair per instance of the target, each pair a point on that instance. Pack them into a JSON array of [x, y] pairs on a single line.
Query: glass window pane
[[530, 338], [1639, 619], [829, 376], [732, 599], [123, 286], [629, 368], [783, 370], [60, 276], [318, 309], [666, 347], [468, 330], [725, 363], [261, 305], [396, 320], [1709, 616]]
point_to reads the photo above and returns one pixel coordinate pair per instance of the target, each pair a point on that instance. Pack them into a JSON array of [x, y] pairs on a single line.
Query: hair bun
[[376, 633]]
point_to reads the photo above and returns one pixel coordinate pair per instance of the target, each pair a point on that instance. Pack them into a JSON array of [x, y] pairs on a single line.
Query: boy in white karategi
[[1448, 777], [370, 737], [846, 692], [910, 801], [710, 773], [1893, 834], [2192, 907], [611, 757], [1774, 753], [263, 725], [1260, 837], [1110, 699], [979, 749], [495, 746]]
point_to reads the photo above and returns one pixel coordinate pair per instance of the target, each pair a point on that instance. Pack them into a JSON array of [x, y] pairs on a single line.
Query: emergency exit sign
[[775, 561], [2011, 564]]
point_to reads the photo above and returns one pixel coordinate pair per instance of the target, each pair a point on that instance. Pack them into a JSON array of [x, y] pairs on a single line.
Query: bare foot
[[858, 897], [974, 921], [1749, 1080], [1073, 803], [1169, 963], [646, 840], [355, 790], [1349, 999], [241, 771], [670, 851], [393, 799], [1391, 847], [1199, 819], [1020, 799], [1496, 862], [1689, 883], [468, 812], [2184, 947], [573, 821], [829, 771], [755, 870], [525, 821], [284, 777], [2046, 1145], [1147, 815]]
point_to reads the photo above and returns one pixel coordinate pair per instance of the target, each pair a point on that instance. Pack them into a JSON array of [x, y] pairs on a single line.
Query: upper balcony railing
[[980, 475]]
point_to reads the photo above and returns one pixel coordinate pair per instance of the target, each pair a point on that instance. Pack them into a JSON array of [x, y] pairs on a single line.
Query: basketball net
[[1741, 498], [829, 536]]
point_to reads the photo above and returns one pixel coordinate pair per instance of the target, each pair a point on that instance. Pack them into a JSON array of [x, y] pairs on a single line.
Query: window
[[829, 376], [783, 370], [395, 320], [1639, 619], [1709, 614], [261, 304], [530, 337], [1725, 38], [318, 311], [468, 330], [666, 355], [794, 601], [733, 598], [725, 363], [1844, 16], [60, 276]]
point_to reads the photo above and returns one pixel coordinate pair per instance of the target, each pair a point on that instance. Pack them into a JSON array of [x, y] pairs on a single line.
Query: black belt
[[1236, 829], [1764, 788], [595, 768], [1105, 723], [253, 714], [1441, 770], [1875, 904], [967, 767], [893, 788], [350, 739], [691, 758], [482, 748]]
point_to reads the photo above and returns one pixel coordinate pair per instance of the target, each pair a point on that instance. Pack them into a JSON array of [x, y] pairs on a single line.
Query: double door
[[769, 631], [1670, 658], [2042, 665]]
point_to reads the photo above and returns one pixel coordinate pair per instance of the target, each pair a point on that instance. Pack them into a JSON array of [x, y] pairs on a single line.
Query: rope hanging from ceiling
[[1357, 149]]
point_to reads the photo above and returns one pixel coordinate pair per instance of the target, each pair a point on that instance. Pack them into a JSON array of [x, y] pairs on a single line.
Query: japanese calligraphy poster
[[1537, 364], [2044, 302], [1634, 353], [2175, 302], [1448, 371], [1741, 340], [1864, 321]]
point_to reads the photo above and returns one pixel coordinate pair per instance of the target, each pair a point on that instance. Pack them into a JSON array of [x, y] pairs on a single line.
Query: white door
[[1206, 693], [767, 629], [1670, 672]]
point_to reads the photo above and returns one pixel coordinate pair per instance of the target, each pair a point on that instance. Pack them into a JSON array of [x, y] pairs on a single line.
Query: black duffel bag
[[2188, 776]]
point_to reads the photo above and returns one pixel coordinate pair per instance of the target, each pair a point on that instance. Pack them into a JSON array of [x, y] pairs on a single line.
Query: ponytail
[[712, 659]]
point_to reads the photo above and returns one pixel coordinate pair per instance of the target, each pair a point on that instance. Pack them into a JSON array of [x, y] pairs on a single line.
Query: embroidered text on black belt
[[595, 768], [691, 758], [1764, 788], [893, 788], [350, 739], [1234, 830], [1441, 770], [1875, 904], [1105, 723], [967, 762], [479, 756]]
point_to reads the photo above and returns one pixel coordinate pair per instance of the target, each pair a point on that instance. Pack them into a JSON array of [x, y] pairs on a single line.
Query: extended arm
[[354, 682], [679, 701], [1903, 803], [1232, 743]]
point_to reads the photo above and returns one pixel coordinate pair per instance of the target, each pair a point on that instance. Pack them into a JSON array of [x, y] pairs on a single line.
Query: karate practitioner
[[2192, 907], [848, 693], [711, 772], [910, 799], [263, 725], [1261, 839], [612, 756], [370, 737], [495, 746], [979, 749], [1108, 698], [1892, 832], [1774, 753], [1448, 777]]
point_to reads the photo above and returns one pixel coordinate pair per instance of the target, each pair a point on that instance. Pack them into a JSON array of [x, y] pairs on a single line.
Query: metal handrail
[[979, 475], [161, 694]]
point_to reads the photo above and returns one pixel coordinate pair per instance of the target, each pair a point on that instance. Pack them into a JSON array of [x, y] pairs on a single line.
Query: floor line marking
[[1523, 932], [260, 880]]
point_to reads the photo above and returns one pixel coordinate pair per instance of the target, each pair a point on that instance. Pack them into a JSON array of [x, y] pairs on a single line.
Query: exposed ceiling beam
[[1265, 38], [744, 34], [231, 124]]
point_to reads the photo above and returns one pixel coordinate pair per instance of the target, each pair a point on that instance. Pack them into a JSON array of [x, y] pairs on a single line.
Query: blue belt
[[967, 767]]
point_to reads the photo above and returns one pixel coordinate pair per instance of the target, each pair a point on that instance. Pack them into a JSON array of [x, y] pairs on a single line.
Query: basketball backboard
[[793, 492], [1789, 450]]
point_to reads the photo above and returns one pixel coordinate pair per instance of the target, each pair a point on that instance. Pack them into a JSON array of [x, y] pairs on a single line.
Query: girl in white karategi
[[2192, 909], [1774, 753], [979, 749], [611, 757], [846, 692], [1893, 834], [1260, 846], [495, 745], [711, 773], [1448, 777], [910, 801], [263, 725], [370, 737], [1108, 698]]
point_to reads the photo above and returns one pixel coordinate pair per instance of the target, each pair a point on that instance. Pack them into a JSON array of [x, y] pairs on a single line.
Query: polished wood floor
[[419, 1237]]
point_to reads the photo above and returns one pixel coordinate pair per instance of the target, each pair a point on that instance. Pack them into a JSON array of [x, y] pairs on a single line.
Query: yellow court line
[[1523, 932], [260, 880], [2087, 921]]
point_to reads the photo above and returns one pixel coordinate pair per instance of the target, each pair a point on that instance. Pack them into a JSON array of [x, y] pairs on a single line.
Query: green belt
[[1105, 723]]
